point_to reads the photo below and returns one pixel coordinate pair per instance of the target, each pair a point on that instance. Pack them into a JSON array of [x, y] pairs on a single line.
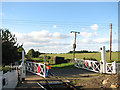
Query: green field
[[97, 56]]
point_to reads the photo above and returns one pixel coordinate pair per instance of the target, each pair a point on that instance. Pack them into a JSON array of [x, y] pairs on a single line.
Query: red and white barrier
[[36, 68], [100, 67]]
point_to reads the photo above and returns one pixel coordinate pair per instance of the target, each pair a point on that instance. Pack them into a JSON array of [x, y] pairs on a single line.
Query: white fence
[[111, 68], [101, 67], [10, 79], [36, 68], [95, 66], [88, 64]]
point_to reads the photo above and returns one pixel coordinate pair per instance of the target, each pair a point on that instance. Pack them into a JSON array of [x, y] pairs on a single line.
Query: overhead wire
[[47, 21]]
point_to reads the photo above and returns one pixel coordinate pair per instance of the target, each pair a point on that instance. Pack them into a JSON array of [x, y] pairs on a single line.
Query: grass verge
[[63, 65]]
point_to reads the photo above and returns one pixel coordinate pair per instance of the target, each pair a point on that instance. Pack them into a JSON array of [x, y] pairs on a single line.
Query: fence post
[[45, 70], [75, 62], [23, 67], [103, 57], [1, 84], [101, 66]]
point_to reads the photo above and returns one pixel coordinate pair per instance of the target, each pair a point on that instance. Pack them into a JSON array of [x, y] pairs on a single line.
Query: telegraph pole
[[110, 40], [74, 45]]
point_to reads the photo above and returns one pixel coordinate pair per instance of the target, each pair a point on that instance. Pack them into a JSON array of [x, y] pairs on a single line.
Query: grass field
[[97, 56]]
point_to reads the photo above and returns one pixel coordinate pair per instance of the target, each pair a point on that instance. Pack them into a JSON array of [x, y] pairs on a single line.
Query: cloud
[[58, 35], [54, 26], [85, 41], [101, 40], [41, 36], [42, 39], [94, 41], [94, 27], [95, 33], [86, 34]]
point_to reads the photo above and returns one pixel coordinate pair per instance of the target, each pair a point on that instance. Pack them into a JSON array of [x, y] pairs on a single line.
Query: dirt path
[[86, 79], [97, 82], [78, 77], [72, 72], [30, 81]]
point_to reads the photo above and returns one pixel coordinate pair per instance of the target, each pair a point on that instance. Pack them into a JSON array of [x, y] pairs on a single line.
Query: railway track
[[58, 84]]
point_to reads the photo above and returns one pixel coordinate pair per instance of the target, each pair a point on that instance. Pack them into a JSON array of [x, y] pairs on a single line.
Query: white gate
[[36, 68], [88, 65], [95, 66], [101, 67], [111, 68]]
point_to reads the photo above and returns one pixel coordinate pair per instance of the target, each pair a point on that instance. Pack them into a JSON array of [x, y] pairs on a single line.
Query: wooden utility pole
[[74, 45], [110, 40]]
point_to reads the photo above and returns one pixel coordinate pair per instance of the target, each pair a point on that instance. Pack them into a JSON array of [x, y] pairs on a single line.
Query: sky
[[46, 26]]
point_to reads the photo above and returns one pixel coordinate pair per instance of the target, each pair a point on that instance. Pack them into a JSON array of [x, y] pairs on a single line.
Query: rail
[[62, 84]]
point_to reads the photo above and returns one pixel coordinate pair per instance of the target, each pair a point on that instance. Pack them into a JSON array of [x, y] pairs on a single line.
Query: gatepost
[[114, 67], [118, 68], [103, 61], [23, 67], [1, 84]]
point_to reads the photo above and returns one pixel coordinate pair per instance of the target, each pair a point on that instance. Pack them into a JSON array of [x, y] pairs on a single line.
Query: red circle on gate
[[39, 70], [86, 63]]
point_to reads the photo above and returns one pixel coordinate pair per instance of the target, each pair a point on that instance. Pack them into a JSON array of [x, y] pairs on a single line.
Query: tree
[[9, 47], [36, 54], [19, 51], [32, 53]]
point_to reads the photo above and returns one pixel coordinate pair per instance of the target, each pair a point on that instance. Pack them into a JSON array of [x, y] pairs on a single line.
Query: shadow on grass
[[63, 67]]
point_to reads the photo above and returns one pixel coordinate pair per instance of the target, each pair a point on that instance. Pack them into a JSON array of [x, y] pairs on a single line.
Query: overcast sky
[[46, 26]]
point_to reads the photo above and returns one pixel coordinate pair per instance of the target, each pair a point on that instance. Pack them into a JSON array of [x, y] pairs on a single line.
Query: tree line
[[83, 51], [11, 50]]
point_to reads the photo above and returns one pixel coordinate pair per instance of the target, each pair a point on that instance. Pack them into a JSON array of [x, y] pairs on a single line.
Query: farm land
[[96, 56]]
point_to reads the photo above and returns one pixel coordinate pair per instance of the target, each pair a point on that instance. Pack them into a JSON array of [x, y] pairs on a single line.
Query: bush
[[6, 69]]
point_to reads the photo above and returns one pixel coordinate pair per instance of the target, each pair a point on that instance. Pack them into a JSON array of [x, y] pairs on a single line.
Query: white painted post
[[118, 69], [114, 67], [103, 57], [75, 62], [23, 67], [1, 74], [44, 70], [101, 66], [23, 56]]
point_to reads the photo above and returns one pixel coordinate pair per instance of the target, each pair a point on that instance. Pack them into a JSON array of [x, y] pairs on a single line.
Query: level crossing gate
[[95, 66], [36, 68], [88, 65]]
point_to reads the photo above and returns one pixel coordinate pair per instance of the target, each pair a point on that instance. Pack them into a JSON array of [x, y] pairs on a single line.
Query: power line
[[47, 21]]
